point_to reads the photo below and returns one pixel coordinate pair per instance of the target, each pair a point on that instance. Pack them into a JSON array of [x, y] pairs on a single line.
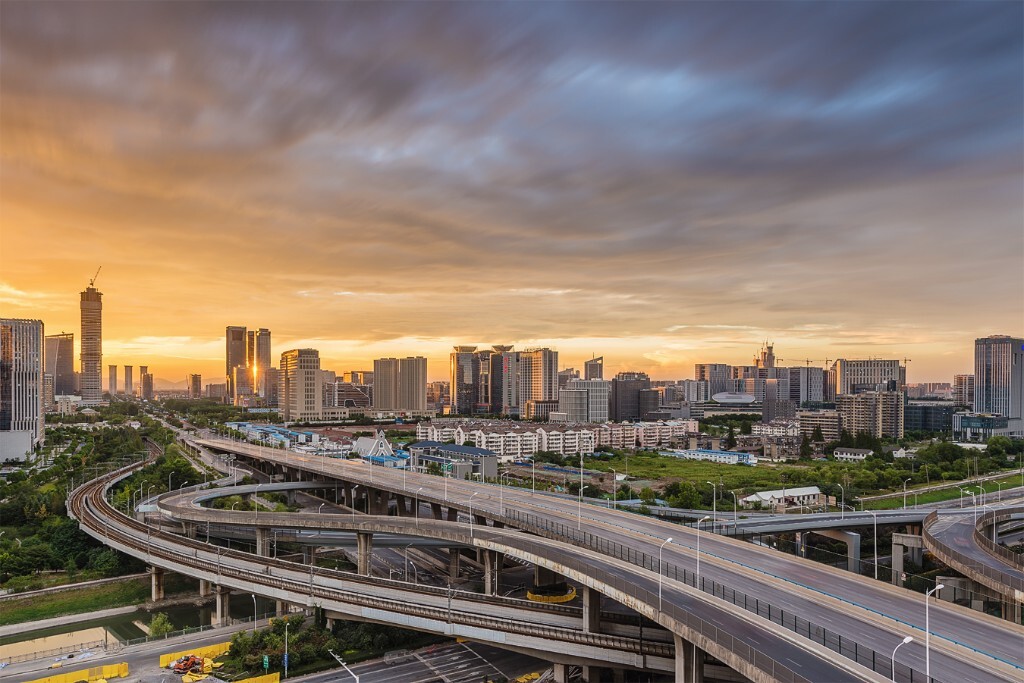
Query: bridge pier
[[204, 588], [591, 674], [689, 661], [309, 554], [852, 541], [900, 544], [542, 576], [561, 672], [454, 555], [453, 515], [156, 575], [263, 542], [401, 505], [493, 561], [435, 509], [591, 610], [800, 545], [364, 548], [220, 615], [281, 608]]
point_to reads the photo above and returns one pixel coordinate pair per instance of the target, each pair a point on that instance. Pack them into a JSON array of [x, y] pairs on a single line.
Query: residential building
[[567, 375], [112, 379], [625, 395], [830, 422], [999, 378], [784, 498], [362, 377], [217, 391], [844, 454], [720, 457], [788, 427], [129, 381], [195, 386], [879, 413], [300, 398], [438, 396], [60, 362], [963, 390], [91, 357], [857, 376], [400, 385], [22, 415], [235, 355], [594, 368], [146, 384], [49, 402], [538, 375], [806, 384]]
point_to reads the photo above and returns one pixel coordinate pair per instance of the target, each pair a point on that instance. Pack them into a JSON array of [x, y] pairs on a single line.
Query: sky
[[658, 183]]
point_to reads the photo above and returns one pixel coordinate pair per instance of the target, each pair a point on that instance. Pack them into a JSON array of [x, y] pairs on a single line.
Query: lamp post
[[842, 504], [254, 613], [974, 504], [905, 492], [471, 513], [255, 503], [286, 648], [699, 522], [342, 662], [735, 507], [169, 475], [579, 511], [614, 492], [714, 505], [320, 509], [928, 634], [533, 464], [908, 639], [874, 518], [660, 574], [999, 498], [961, 497], [501, 491]]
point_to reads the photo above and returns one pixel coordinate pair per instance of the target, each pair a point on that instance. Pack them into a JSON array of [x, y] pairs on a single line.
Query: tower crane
[[92, 280]]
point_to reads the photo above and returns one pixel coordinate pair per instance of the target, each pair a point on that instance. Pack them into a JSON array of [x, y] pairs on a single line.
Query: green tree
[[160, 625]]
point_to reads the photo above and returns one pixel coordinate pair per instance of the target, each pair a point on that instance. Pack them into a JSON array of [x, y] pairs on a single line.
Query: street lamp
[[352, 503], [579, 512], [735, 506], [342, 662], [254, 613], [842, 504], [501, 491], [928, 634], [169, 475], [905, 492], [660, 574], [908, 639], [320, 509], [974, 504], [471, 513], [714, 505], [699, 522], [286, 648], [874, 518], [255, 502], [999, 498]]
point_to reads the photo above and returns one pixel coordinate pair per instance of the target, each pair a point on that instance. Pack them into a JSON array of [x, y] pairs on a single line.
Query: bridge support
[[220, 615], [591, 674], [800, 545], [364, 548], [689, 661], [561, 672], [263, 542], [156, 575], [542, 576], [435, 509], [591, 610], [453, 515], [852, 541], [280, 608], [309, 554], [900, 544], [204, 588], [454, 555], [493, 561]]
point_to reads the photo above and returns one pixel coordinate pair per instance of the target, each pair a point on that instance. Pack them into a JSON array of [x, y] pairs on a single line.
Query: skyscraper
[[594, 368], [60, 362], [112, 379], [301, 396], [538, 375], [625, 395], [21, 387], [262, 364], [855, 376], [195, 386], [400, 385], [146, 385], [234, 355], [999, 378], [129, 382], [963, 390], [464, 374], [91, 382]]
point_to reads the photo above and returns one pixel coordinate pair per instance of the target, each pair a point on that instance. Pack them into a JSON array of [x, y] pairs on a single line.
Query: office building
[[856, 376], [400, 384], [21, 387], [438, 396], [505, 382], [594, 368], [363, 377], [585, 400], [241, 384], [273, 376], [91, 358], [385, 385], [538, 375], [464, 373], [261, 364], [879, 413], [928, 417], [146, 385], [963, 390], [235, 355], [112, 379], [999, 378], [129, 381], [625, 396], [300, 397], [567, 375], [195, 386], [217, 391], [60, 363], [717, 376], [143, 371]]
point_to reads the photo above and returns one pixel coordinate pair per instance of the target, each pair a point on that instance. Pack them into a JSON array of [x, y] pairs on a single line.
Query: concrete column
[[281, 608], [263, 542], [454, 555], [204, 588], [591, 674], [453, 514], [852, 541], [619, 675], [800, 549], [435, 508], [364, 548], [488, 572], [401, 506], [542, 576], [591, 610], [689, 661], [220, 617], [156, 583], [189, 528], [897, 561], [309, 554], [561, 672]]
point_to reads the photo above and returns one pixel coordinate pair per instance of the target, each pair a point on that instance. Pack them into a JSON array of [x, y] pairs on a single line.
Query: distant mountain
[[167, 385]]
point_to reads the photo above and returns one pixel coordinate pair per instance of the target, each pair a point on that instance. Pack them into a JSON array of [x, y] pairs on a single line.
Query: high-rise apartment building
[[594, 368], [129, 381], [856, 376], [385, 384], [195, 386], [505, 382], [625, 395], [91, 358], [21, 387], [262, 363], [143, 371], [235, 355], [112, 379], [301, 397], [400, 384], [963, 390], [879, 413], [464, 377], [146, 384], [60, 362], [999, 378], [538, 375]]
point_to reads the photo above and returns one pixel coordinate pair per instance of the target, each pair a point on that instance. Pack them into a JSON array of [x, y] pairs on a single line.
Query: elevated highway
[[964, 542]]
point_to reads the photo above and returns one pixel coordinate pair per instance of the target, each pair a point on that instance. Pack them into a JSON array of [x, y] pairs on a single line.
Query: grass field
[[952, 493], [656, 467]]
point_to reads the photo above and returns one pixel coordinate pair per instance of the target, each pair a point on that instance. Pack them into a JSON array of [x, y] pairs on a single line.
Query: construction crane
[[808, 361], [93, 279]]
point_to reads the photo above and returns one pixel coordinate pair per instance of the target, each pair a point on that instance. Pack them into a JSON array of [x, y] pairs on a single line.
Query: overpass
[[741, 604]]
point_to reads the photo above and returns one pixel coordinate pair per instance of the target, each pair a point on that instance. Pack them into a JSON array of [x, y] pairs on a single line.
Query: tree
[[806, 450], [816, 435], [160, 625]]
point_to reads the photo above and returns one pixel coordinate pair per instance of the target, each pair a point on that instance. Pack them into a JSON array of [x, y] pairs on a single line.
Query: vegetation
[[160, 625]]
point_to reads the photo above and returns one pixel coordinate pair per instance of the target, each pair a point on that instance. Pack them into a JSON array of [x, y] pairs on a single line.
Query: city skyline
[[394, 180]]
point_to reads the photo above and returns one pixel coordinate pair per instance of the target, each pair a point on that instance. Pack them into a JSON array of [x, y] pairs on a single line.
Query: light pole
[[928, 634], [699, 522], [501, 490], [169, 475], [342, 662], [533, 463], [660, 574], [286, 648], [905, 492], [255, 502], [961, 498], [735, 506], [418, 505], [471, 513], [352, 503], [579, 511], [842, 505], [320, 509], [254, 613], [874, 518], [614, 478], [908, 639], [974, 504], [714, 505], [999, 495]]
